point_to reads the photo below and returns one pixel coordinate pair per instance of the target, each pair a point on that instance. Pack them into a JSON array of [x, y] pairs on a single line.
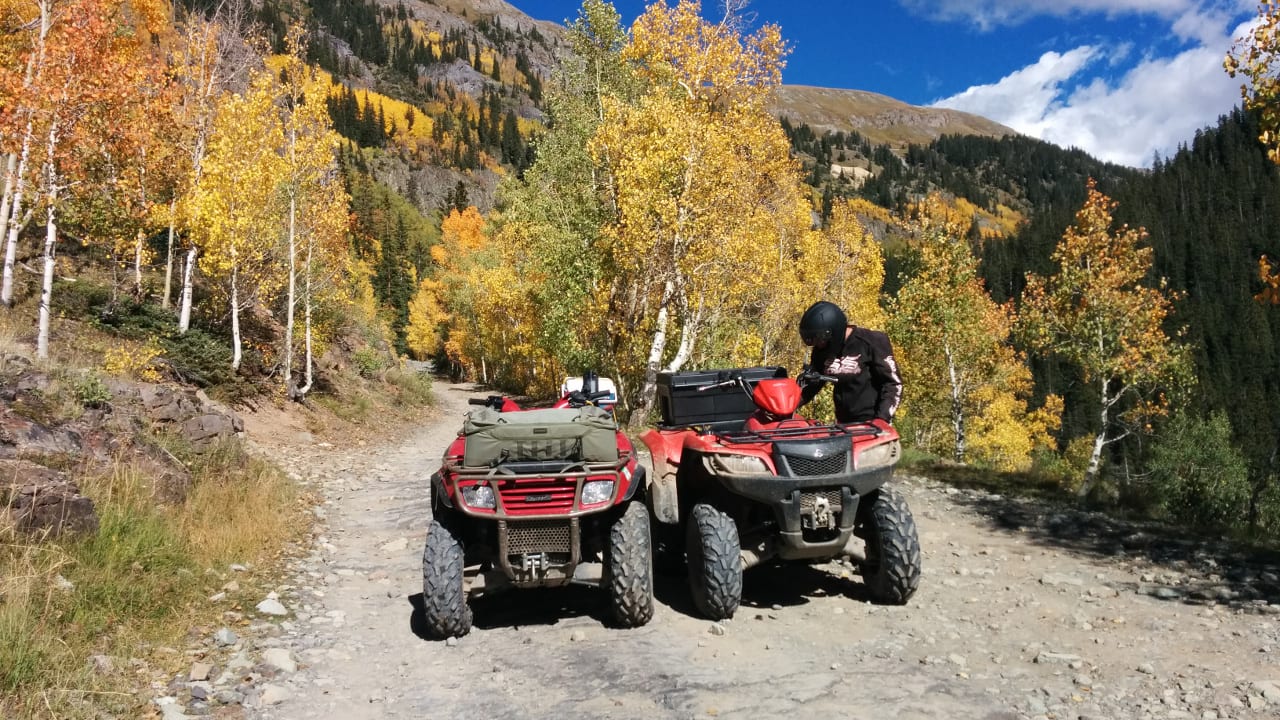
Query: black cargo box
[[682, 404]]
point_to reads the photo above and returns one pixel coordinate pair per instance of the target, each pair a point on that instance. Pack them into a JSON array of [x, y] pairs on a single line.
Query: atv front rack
[[811, 432]]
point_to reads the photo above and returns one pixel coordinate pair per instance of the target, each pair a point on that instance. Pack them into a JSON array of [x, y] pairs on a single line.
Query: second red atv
[[537, 498], [748, 482]]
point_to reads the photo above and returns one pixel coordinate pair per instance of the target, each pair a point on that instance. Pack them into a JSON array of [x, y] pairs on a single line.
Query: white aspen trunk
[[11, 167], [293, 283], [11, 243], [688, 336], [137, 264], [168, 260], [46, 289], [235, 319], [957, 407], [306, 387], [34, 66], [184, 316], [50, 240], [1095, 458], [654, 360]]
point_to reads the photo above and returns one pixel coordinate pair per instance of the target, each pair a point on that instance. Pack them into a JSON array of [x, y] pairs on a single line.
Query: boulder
[[41, 500], [204, 431]]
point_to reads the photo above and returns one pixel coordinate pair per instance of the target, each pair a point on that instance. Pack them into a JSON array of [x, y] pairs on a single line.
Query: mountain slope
[[879, 118]]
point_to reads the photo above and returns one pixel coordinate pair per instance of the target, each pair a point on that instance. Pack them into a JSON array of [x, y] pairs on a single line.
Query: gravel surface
[[1024, 611]]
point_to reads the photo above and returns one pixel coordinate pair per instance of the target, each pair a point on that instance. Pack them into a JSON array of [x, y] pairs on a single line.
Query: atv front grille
[[809, 467], [809, 501], [538, 495], [538, 536]]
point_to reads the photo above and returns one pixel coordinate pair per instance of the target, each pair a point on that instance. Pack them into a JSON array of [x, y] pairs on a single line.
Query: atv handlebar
[[807, 376], [494, 401], [577, 398]]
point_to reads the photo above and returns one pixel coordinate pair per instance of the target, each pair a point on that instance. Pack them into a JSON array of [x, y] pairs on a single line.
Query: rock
[[1055, 580], [231, 587], [217, 597], [577, 636], [716, 629], [1146, 668], [1052, 658], [205, 431], [281, 659], [200, 671], [271, 606], [225, 637], [101, 664], [200, 690], [273, 694], [43, 501], [453, 641], [396, 545]]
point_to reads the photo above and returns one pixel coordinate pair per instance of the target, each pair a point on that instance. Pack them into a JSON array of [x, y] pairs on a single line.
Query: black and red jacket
[[869, 385]]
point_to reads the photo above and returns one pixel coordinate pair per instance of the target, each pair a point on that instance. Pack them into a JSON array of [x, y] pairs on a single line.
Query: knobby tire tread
[[630, 567], [444, 598], [897, 574], [715, 562]]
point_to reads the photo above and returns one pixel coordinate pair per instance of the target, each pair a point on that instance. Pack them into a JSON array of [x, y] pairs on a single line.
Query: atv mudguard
[[663, 460]]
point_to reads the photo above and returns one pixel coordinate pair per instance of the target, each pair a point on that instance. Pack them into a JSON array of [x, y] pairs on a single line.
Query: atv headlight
[[880, 455], [597, 491], [724, 464], [478, 496]]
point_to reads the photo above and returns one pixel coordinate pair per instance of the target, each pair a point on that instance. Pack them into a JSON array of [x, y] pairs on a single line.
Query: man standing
[[868, 386]]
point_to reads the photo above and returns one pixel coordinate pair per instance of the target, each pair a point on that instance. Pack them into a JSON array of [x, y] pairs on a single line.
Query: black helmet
[[822, 322]]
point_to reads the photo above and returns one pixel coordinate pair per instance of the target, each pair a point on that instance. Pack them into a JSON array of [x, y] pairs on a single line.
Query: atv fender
[[438, 493], [662, 459]]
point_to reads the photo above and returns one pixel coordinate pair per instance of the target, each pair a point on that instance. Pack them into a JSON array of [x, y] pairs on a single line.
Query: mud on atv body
[[530, 508], [742, 482]]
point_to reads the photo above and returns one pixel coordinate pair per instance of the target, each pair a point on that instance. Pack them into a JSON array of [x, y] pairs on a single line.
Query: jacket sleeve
[[810, 391], [884, 372]]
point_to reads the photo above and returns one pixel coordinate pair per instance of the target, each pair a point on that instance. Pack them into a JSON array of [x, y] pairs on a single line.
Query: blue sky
[[1122, 79]]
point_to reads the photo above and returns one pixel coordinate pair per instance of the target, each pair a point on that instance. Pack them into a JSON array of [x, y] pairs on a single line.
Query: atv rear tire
[[629, 567], [715, 562], [891, 570], [444, 600]]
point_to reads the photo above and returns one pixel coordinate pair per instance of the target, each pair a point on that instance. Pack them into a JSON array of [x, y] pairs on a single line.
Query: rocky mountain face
[[464, 36], [878, 118]]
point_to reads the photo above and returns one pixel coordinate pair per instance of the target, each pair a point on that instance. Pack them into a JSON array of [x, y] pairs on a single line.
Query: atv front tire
[[629, 567], [714, 556], [444, 601], [891, 570]]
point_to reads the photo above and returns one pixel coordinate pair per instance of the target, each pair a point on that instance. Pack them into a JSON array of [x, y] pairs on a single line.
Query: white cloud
[[988, 14], [1152, 107], [1155, 106]]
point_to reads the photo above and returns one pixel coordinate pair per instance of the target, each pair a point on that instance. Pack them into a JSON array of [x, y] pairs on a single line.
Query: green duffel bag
[[586, 434]]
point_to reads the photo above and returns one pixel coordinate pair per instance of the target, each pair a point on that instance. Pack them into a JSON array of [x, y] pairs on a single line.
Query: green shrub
[[413, 388], [91, 391], [369, 362], [1200, 477]]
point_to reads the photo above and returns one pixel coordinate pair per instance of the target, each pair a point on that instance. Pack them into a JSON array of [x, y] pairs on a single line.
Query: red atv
[[749, 482], [537, 498]]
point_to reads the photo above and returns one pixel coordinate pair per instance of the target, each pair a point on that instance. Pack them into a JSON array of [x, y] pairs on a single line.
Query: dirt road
[[1021, 613]]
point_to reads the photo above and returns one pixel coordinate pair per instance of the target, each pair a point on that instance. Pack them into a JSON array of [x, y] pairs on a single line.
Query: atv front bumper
[[815, 514]]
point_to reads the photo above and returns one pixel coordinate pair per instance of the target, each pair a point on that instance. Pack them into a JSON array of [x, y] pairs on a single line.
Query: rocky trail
[[1023, 612]]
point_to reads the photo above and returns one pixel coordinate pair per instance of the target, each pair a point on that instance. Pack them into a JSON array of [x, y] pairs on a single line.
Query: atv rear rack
[[812, 432]]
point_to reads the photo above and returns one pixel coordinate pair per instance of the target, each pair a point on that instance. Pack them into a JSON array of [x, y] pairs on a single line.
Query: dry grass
[[140, 583]]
